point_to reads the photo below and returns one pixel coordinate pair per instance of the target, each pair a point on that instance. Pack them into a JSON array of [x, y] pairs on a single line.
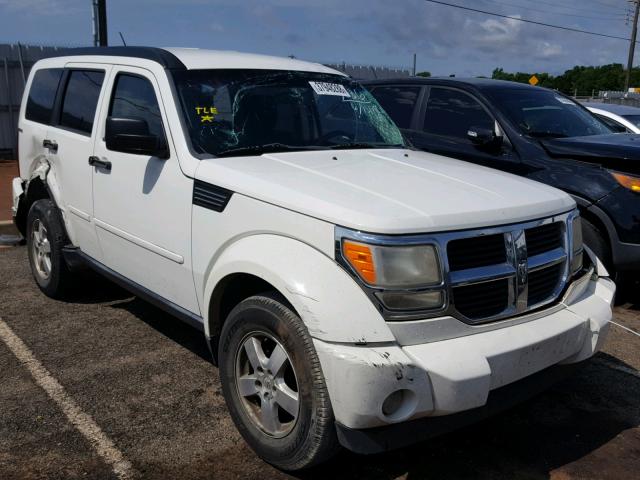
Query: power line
[[582, 8], [616, 17], [570, 29]]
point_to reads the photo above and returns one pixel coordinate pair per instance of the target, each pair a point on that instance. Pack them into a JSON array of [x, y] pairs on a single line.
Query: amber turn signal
[[627, 181], [360, 258]]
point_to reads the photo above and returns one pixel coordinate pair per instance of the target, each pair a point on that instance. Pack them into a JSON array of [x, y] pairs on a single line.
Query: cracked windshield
[[249, 112]]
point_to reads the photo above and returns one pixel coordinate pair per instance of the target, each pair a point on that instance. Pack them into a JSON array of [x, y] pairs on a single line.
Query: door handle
[[51, 145], [96, 162]]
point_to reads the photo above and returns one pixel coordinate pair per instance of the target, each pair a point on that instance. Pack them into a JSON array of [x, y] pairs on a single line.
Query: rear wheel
[[45, 239], [273, 384]]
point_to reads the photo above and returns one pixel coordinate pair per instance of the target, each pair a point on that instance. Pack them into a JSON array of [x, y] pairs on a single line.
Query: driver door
[[142, 203]]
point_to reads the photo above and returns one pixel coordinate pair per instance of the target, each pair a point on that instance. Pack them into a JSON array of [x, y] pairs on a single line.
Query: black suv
[[537, 133]]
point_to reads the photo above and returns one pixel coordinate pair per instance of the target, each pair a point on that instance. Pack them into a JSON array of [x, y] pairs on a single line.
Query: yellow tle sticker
[[207, 114]]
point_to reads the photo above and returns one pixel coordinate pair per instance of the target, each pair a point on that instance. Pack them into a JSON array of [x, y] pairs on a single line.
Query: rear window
[[81, 99], [43, 94]]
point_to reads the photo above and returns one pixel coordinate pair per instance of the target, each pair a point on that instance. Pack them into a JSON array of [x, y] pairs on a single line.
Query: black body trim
[[74, 256], [163, 57], [210, 196], [381, 439]]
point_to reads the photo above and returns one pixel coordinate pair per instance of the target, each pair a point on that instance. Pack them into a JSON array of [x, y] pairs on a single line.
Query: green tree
[[423, 74]]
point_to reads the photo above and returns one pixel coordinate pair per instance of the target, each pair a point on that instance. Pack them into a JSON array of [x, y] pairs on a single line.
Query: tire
[[45, 239], [594, 239], [266, 325]]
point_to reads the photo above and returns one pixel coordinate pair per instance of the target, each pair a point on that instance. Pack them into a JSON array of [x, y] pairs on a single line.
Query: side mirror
[[131, 135], [484, 137]]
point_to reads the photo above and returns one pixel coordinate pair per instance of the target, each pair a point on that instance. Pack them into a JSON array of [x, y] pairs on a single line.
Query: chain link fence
[[16, 61]]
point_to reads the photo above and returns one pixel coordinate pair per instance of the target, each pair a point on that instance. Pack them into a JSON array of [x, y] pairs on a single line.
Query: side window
[[42, 95], [134, 97], [399, 102], [81, 100], [451, 112], [612, 124]]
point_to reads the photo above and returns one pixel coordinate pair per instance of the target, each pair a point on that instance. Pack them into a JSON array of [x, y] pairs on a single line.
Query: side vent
[[210, 196]]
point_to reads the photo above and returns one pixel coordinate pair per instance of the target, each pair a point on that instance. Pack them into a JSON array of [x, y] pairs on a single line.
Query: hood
[[386, 191], [618, 151]]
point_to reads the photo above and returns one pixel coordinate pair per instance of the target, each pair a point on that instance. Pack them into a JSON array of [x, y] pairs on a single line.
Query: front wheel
[[273, 384]]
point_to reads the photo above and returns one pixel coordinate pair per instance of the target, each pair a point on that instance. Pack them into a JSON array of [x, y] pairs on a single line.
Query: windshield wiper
[[267, 148], [356, 145]]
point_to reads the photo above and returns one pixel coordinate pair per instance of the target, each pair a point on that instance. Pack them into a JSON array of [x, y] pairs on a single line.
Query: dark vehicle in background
[[537, 133]]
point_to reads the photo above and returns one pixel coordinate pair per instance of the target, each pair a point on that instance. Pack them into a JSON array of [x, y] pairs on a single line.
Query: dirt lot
[[147, 382], [8, 170]]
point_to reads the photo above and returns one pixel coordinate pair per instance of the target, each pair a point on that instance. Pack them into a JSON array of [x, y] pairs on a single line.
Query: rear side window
[[81, 100], [134, 97], [452, 113], [42, 94], [399, 102]]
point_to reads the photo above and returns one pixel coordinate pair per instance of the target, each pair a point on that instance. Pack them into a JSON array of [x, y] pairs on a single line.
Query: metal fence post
[[24, 77], [9, 102]]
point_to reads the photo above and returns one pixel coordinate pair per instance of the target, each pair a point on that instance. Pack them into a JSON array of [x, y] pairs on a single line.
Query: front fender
[[332, 306]]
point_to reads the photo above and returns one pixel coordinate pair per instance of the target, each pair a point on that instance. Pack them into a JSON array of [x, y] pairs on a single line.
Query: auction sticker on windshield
[[327, 88]]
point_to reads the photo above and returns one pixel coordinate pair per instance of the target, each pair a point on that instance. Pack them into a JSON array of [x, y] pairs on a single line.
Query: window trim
[[113, 84], [61, 94]]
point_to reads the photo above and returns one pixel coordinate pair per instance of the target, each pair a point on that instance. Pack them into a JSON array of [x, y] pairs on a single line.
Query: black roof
[[163, 57], [479, 83]]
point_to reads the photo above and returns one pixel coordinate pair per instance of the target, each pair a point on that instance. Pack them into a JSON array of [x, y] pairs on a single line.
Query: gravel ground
[[8, 171], [147, 381]]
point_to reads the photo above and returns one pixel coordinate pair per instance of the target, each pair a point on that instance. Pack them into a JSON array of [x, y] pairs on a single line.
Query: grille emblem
[[521, 267]]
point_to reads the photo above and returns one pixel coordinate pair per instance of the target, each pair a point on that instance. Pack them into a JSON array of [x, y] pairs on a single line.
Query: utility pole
[[414, 64], [99, 23], [632, 46]]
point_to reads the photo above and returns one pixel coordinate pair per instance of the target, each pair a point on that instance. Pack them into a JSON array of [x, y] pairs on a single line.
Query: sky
[[373, 32]]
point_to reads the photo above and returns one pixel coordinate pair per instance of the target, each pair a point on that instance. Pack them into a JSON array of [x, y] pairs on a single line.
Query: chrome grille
[[481, 300], [489, 273], [528, 271], [542, 283], [476, 252], [543, 238]]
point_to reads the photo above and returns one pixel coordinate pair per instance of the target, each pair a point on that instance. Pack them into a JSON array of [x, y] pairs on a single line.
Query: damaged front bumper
[[386, 388]]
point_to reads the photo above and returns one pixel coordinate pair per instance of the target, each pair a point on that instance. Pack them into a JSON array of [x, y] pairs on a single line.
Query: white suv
[[353, 291]]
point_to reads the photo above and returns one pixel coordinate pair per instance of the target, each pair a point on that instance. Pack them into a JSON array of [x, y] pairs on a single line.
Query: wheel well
[[230, 291], [36, 190], [596, 222]]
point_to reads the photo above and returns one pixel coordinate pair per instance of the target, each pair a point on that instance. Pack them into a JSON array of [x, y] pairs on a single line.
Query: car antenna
[[122, 38]]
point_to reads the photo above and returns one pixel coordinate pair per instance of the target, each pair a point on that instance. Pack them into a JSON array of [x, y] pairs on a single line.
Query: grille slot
[[210, 196], [543, 283], [543, 238], [482, 300], [476, 252]]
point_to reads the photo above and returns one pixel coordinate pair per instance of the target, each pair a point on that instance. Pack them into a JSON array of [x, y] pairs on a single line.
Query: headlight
[[394, 267], [627, 181], [402, 277], [576, 245]]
